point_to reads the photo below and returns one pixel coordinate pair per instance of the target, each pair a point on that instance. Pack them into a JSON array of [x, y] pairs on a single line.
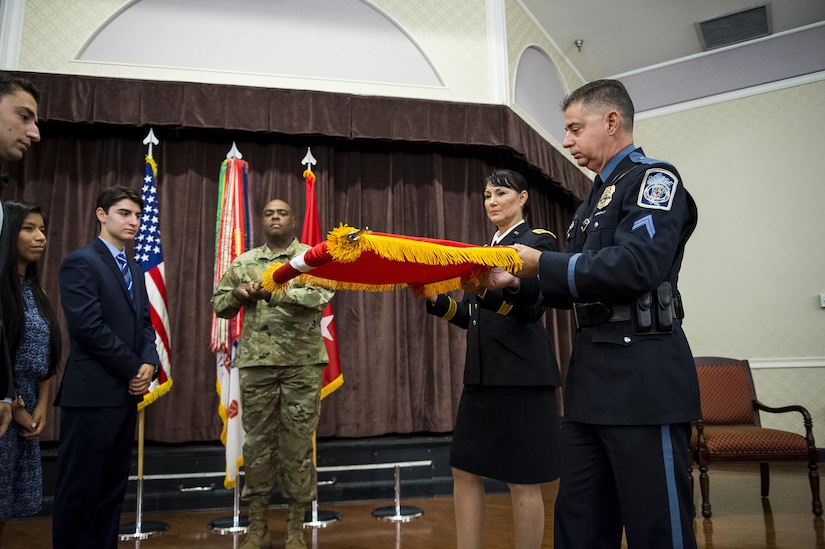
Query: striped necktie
[[124, 270]]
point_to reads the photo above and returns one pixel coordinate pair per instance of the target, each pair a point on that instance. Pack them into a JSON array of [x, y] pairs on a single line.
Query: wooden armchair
[[730, 430]]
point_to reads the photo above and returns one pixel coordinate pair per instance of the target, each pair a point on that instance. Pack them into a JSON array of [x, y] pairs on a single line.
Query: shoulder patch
[[657, 190], [543, 231]]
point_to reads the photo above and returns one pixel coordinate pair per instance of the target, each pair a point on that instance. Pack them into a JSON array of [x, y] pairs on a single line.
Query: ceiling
[[620, 36]]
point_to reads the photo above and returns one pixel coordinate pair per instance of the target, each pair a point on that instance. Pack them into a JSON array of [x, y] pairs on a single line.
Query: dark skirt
[[509, 434]]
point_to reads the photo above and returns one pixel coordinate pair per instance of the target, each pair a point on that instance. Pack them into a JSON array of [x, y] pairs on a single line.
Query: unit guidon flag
[[360, 259]]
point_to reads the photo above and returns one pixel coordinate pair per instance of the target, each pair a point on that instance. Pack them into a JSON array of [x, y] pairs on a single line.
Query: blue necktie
[[124, 269]]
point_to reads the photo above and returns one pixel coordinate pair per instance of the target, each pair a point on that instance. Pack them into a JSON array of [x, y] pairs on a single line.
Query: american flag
[[149, 255]]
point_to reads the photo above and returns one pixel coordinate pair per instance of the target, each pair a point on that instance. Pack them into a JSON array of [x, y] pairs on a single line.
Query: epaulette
[[543, 231], [639, 158]]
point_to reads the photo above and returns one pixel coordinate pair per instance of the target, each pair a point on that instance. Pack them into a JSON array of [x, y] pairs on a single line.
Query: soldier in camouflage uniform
[[280, 356]]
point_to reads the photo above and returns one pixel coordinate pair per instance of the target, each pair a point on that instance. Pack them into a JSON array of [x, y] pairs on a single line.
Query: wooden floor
[[741, 520]]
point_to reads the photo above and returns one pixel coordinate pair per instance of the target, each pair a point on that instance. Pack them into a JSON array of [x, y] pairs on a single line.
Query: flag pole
[[316, 518], [235, 524], [137, 529]]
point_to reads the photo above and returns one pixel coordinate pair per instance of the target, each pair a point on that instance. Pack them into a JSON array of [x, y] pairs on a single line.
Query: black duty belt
[[590, 314]]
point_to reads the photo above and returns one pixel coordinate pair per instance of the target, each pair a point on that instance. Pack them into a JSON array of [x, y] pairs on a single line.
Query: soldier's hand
[[241, 293], [257, 292]]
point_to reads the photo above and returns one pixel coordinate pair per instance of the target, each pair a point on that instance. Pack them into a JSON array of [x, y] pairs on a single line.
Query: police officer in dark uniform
[[507, 424], [631, 389]]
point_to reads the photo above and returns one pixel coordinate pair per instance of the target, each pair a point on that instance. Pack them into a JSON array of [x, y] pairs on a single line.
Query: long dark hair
[[11, 296]]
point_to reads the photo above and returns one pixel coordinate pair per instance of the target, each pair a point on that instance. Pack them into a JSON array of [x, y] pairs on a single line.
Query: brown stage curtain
[[402, 368]]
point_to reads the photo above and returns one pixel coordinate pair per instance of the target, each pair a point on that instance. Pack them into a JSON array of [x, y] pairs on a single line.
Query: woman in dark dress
[[507, 425], [34, 342]]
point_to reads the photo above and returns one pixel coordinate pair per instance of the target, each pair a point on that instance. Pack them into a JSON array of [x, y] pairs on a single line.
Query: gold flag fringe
[[425, 290], [345, 244]]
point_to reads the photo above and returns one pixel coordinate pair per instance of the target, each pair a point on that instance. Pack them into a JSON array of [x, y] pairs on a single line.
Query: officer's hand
[[530, 257]]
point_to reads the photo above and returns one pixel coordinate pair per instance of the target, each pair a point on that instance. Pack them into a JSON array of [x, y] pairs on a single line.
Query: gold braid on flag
[[348, 245]]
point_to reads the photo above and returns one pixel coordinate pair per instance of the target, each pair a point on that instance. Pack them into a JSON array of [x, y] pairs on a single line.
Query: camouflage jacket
[[286, 331]]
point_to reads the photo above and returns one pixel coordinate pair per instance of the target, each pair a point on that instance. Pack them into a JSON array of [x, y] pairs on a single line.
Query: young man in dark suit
[[112, 361]]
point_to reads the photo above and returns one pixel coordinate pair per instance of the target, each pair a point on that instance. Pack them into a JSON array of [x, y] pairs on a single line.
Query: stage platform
[[194, 473]]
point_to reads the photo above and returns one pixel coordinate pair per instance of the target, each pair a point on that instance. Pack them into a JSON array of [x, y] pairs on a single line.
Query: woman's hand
[[497, 278], [472, 286], [28, 427], [417, 291]]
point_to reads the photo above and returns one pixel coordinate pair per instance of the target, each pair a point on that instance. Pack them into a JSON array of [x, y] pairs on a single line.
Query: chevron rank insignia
[[658, 189]]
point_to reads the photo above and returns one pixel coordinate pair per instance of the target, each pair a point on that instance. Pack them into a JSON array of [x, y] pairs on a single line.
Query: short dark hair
[[108, 197], [608, 94], [10, 84], [511, 180]]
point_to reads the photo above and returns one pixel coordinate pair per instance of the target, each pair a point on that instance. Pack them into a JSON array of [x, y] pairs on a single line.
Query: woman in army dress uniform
[[507, 425]]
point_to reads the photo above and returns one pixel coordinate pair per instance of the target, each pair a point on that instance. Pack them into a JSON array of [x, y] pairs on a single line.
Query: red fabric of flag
[[311, 235]]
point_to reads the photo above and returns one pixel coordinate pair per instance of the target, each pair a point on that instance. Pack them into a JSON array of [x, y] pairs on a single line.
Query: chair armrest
[[806, 418]]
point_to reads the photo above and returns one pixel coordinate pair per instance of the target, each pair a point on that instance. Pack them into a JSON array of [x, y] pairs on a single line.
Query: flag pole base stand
[[227, 525], [324, 519], [129, 530], [404, 513]]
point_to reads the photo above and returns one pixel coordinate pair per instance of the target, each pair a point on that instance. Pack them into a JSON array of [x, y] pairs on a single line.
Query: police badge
[[606, 197]]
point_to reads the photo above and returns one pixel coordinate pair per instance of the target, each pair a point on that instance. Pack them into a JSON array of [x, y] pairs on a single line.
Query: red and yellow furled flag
[[311, 235], [360, 259]]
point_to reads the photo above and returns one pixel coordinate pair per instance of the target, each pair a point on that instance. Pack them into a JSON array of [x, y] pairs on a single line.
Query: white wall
[[755, 267], [450, 35]]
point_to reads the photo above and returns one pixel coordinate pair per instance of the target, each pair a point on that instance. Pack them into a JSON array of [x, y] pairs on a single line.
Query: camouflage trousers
[[280, 407]]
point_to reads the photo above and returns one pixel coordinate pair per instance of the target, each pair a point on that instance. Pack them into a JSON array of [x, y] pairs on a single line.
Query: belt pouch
[[664, 310], [643, 316]]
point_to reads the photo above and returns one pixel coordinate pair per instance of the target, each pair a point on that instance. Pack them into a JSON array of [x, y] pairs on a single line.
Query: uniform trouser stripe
[[672, 495]]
